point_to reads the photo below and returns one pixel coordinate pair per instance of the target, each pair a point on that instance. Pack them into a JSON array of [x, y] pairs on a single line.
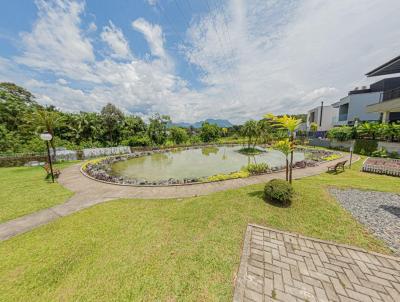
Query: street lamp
[[47, 137]]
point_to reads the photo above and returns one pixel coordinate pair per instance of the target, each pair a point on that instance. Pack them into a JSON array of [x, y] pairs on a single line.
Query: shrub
[[257, 168], [178, 135], [278, 190], [331, 157], [218, 177], [365, 147], [138, 141], [342, 133]]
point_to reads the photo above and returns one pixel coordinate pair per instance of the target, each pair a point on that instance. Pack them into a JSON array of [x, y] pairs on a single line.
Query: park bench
[[56, 172], [339, 165]]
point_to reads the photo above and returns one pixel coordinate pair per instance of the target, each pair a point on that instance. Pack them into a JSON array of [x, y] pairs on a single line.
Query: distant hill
[[219, 123]]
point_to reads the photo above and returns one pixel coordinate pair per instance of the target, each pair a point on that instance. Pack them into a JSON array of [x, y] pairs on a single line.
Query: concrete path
[[89, 192], [280, 266]]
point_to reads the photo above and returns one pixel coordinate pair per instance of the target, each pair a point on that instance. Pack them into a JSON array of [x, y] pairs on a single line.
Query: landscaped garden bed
[[386, 166]]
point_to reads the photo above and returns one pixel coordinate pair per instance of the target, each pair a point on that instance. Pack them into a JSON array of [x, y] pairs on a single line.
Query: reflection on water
[[195, 163], [209, 150]]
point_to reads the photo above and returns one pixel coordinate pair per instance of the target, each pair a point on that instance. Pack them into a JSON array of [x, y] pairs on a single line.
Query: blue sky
[[193, 59]]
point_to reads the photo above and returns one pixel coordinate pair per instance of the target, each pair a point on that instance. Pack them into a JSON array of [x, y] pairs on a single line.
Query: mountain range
[[218, 122]]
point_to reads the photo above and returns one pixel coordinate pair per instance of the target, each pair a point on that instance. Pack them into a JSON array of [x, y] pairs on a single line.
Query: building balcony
[[391, 94]]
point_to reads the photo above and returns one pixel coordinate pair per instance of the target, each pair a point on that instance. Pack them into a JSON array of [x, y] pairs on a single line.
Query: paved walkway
[[89, 192], [281, 266]]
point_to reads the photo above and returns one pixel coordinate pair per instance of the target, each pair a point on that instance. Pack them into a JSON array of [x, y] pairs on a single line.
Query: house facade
[[388, 106], [323, 116], [353, 107]]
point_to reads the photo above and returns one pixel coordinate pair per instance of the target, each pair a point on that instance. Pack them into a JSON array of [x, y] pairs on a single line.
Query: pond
[[194, 163]]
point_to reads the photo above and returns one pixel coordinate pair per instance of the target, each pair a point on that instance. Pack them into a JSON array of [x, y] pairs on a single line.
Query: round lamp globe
[[46, 136]]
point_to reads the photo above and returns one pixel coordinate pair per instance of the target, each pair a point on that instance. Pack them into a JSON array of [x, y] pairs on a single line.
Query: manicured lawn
[[169, 250], [24, 190]]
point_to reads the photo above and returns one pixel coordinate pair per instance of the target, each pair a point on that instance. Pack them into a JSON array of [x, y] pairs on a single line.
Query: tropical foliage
[[367, 130], [258, 168], [285, 147], [22, 119], [290, 124]]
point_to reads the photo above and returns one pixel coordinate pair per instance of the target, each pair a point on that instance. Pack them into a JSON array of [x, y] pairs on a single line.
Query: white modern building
[[323, 116], [353, 107], [363, 103]]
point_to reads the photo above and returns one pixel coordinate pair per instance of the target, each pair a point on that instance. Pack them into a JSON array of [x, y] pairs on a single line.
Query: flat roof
[[390, 67]]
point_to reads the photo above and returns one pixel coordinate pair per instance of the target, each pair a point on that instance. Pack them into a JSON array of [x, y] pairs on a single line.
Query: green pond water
[[194, 163]]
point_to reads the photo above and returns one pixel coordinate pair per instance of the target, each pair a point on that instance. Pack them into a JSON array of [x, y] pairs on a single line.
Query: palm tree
[[285, 146], [290, 124], [47, 120], [250, 130]]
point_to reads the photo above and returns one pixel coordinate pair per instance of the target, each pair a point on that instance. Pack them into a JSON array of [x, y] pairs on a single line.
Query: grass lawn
[[170, 250], [24, 190]]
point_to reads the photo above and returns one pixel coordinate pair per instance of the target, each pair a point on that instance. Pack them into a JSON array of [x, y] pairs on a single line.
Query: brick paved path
[[280, 266]]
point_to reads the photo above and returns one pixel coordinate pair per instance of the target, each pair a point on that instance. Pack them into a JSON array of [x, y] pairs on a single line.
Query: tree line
[[22, 119]]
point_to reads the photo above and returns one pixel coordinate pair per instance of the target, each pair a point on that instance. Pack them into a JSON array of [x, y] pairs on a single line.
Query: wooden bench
[[56, 172], [339, 165]]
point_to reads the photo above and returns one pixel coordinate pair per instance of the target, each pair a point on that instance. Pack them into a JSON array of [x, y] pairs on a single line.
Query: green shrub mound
[[259, 168], [279, 191]]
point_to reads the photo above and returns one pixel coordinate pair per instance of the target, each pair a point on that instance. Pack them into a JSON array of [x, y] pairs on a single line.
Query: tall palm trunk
[[291, 159], [53, 147], [287, 168], [291, 167]]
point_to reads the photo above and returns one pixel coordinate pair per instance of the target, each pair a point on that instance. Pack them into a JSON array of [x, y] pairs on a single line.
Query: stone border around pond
[[96, 169]]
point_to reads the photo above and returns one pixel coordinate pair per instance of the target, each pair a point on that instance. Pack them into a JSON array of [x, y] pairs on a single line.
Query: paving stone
[[306, 269]]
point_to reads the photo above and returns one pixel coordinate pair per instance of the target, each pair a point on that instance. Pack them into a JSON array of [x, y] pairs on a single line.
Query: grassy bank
[[25, 190], [170, 250]]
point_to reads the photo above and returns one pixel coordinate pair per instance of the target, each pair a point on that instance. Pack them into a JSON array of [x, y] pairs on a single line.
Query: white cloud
[[62, 81], [286, 56], [152, 2], [56, 42], [153, 35], [257, 56], [115, 39]]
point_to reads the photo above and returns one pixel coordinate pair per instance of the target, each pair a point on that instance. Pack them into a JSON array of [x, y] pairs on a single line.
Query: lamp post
[[47, 137]]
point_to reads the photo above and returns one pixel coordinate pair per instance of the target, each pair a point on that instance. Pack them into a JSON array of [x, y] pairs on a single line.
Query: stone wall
[[390, 147]]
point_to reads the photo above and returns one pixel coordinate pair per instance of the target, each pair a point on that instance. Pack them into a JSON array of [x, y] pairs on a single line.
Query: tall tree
[[209, 132], [251, 131], [133, 126], [178, 135], [157, 130], [47, 121], [112, 119]]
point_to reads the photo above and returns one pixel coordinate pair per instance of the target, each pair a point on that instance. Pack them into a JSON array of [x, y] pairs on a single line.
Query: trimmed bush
[[260, 168], [365, 146], [279, 191]]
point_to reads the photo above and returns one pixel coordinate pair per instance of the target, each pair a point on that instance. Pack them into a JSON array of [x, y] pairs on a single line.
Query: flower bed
[[100, 169], [382, 166]]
